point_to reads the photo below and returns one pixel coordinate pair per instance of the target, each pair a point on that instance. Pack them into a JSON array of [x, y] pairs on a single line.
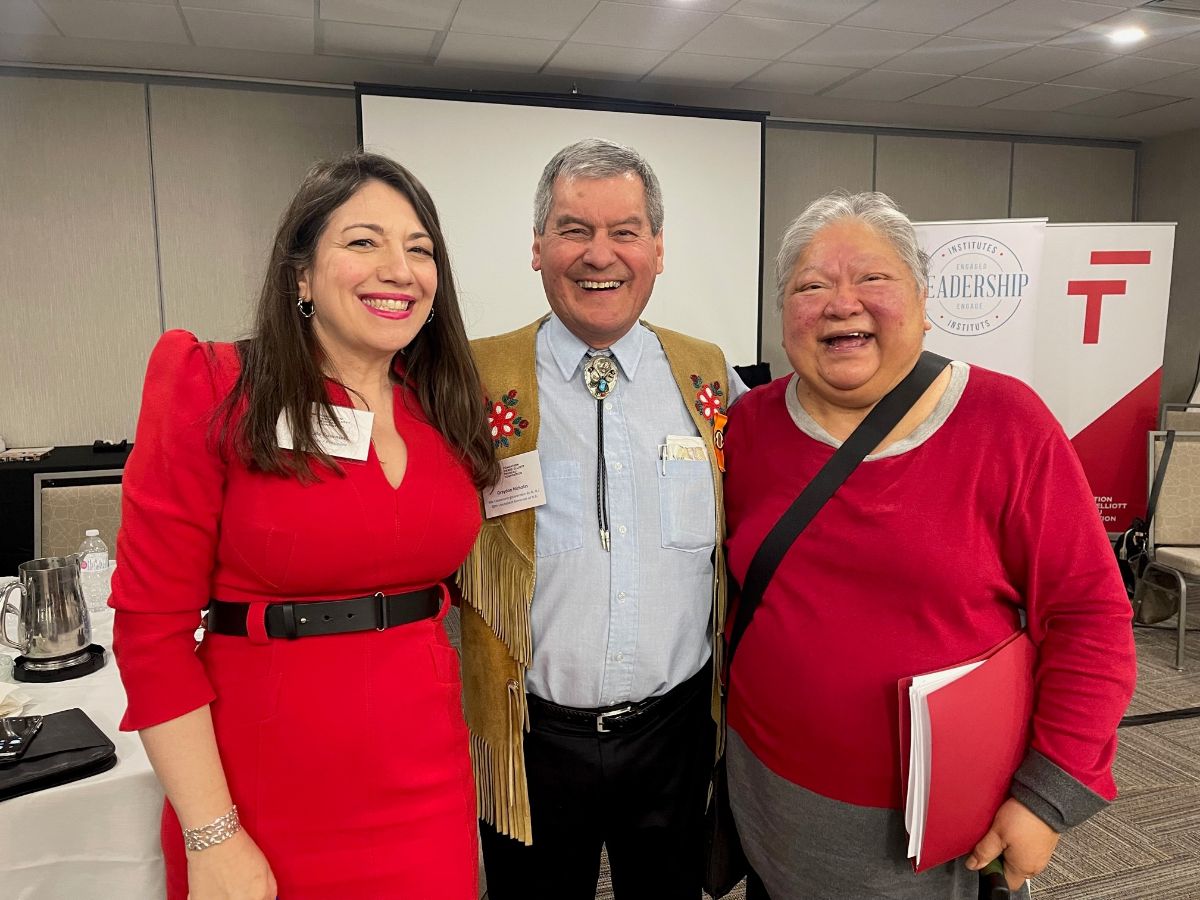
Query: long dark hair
[[281, 361]]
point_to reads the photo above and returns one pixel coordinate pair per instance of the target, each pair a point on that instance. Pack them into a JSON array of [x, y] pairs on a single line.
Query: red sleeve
[[170, 509], [1078, 616]]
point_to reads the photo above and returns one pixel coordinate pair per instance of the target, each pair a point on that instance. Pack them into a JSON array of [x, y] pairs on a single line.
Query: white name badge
[[355, 422], [520, 486]]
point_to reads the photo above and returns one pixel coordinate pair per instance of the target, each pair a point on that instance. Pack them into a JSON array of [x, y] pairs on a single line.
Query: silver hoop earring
[[430, 319], [307, 308]]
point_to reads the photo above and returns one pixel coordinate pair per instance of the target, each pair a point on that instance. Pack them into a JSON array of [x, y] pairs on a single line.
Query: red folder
[[980, 735]]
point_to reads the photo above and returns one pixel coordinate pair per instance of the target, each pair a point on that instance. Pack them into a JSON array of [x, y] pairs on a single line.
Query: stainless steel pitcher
[[53, 628]]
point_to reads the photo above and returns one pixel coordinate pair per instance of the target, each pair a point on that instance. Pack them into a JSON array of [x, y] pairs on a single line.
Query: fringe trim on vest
[[493, 574], [501, 791]]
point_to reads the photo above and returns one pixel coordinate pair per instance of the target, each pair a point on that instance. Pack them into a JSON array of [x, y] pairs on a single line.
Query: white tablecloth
[[94, 839]]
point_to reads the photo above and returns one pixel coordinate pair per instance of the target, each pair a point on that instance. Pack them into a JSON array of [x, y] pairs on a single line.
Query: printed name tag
[[520, 486], [355, 422]]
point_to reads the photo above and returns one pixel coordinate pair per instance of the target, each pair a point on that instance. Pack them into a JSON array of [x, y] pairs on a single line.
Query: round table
[[93, 839]]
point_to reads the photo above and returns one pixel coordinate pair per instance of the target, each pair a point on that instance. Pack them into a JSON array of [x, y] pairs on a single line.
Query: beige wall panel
[[1169, 191], [226, 163], [80, 300], [1073, 184], [934, 178], [801, 166]]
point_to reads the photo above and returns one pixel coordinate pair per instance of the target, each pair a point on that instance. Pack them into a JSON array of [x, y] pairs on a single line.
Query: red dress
[[346, 754]]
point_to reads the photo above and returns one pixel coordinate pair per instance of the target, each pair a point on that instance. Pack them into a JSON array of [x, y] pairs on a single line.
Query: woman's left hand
[[1025, 840]]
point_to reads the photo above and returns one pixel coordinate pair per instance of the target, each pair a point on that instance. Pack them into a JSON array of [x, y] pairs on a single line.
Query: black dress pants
[[640, 790]]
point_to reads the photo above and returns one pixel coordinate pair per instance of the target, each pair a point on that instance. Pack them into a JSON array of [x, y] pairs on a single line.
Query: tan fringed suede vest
[[498, 575]]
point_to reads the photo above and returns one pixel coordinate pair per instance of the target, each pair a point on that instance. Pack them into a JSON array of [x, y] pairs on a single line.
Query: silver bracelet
[[216, 831]]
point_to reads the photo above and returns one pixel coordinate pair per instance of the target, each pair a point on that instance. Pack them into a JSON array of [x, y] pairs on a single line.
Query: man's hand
[[1025, 840]]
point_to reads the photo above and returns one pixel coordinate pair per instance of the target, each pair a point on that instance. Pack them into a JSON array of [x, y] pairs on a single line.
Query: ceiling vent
[[1180, 7]]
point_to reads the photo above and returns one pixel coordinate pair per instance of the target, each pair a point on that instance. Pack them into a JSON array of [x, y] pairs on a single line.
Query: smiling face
[[598, 257], [373, 277], [853, 317]]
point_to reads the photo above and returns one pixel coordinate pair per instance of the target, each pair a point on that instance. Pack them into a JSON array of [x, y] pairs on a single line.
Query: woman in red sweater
[[311, 487], [972, 512]]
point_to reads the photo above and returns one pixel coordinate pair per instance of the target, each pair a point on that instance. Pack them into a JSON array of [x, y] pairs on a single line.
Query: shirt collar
[[569, 351]]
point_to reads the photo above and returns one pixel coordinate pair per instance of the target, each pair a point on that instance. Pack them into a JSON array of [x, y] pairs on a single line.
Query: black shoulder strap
[[1159, 474], [879, 422]]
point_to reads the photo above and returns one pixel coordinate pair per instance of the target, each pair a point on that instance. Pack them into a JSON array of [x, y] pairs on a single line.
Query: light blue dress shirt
[[622, 625]]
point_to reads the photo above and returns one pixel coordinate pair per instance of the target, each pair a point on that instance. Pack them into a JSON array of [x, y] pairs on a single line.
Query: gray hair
[[873, 209], [597, 158]]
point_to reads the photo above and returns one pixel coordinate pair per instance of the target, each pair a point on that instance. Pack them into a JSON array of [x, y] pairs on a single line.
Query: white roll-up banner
[[1078, 312]]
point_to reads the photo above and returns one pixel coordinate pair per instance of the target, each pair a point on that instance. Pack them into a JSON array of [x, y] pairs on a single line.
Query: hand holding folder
[[971, 734], [1019, 845]]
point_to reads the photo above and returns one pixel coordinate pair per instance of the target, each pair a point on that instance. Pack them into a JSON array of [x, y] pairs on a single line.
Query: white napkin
[[12, 700]]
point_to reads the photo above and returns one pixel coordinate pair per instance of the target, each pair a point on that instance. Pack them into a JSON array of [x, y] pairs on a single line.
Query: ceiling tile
[[823, 11], [432, 14], [702, 5], [594, 60], [928, 16], [380, 41], [1124, 72], [1159, 28], [1121, 103], [298, 8], [117, 21], [24, 17], [751, 38], [860, 47], [952, 56], [970, 91], [643, 27], [485, 51], [250, 31], [796, 78], [711, 71], [1185, 50], [1042, 64], [1186, 84], [1034, 21], [1046, 97], [522, 18], [1166, 119], [879, 84]]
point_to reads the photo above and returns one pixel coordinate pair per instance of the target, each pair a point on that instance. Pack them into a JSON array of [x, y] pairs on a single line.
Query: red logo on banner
[[1096, 290]]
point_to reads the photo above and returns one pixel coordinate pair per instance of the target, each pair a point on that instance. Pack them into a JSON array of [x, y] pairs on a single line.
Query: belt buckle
[[612, 713], [381, 611]]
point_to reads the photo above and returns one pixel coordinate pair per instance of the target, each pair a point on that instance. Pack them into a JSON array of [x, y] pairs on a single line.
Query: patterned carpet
[[1146, 846]]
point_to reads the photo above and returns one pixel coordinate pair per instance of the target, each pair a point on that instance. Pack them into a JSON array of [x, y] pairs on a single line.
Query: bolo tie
[[600, 378]]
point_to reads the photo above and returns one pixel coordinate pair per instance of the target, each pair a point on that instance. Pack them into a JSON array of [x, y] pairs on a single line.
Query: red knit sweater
[[920, 561]]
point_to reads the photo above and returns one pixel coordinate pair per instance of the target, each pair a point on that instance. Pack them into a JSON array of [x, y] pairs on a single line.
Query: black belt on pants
[[623, 716], [307, 619]]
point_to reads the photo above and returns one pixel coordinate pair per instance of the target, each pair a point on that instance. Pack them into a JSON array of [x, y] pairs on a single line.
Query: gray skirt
[[808, 847]]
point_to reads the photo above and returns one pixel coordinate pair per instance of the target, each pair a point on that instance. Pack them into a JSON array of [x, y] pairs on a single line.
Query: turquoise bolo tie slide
[[600, 376]]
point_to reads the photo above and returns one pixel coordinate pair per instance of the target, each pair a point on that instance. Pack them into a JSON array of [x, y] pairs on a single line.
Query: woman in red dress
[[313, 745]]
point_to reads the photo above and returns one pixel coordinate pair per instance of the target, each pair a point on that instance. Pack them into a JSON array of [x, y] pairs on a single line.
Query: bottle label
[[94, 560]]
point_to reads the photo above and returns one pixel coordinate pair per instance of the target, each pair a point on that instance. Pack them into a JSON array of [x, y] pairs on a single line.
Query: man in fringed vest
[[591, 624]]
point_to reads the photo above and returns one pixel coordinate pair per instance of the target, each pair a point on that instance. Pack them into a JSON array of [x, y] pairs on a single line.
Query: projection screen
[[481, 156]]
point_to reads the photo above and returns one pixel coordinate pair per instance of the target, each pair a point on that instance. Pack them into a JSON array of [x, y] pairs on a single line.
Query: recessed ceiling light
[[1127, 35]]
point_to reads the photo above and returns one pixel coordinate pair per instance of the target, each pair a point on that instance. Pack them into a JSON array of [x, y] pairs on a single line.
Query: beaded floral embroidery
[[503, 419], [708, 397]]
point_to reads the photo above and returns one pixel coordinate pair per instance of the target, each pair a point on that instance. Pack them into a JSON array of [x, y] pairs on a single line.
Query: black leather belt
[[308, 619], [623, 716]]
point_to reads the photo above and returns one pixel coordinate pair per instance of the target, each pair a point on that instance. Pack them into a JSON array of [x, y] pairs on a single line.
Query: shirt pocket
[[559, 524], [686, 505]]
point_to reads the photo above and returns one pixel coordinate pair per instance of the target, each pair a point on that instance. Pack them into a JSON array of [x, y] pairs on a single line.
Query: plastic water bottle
[[93, 569]]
